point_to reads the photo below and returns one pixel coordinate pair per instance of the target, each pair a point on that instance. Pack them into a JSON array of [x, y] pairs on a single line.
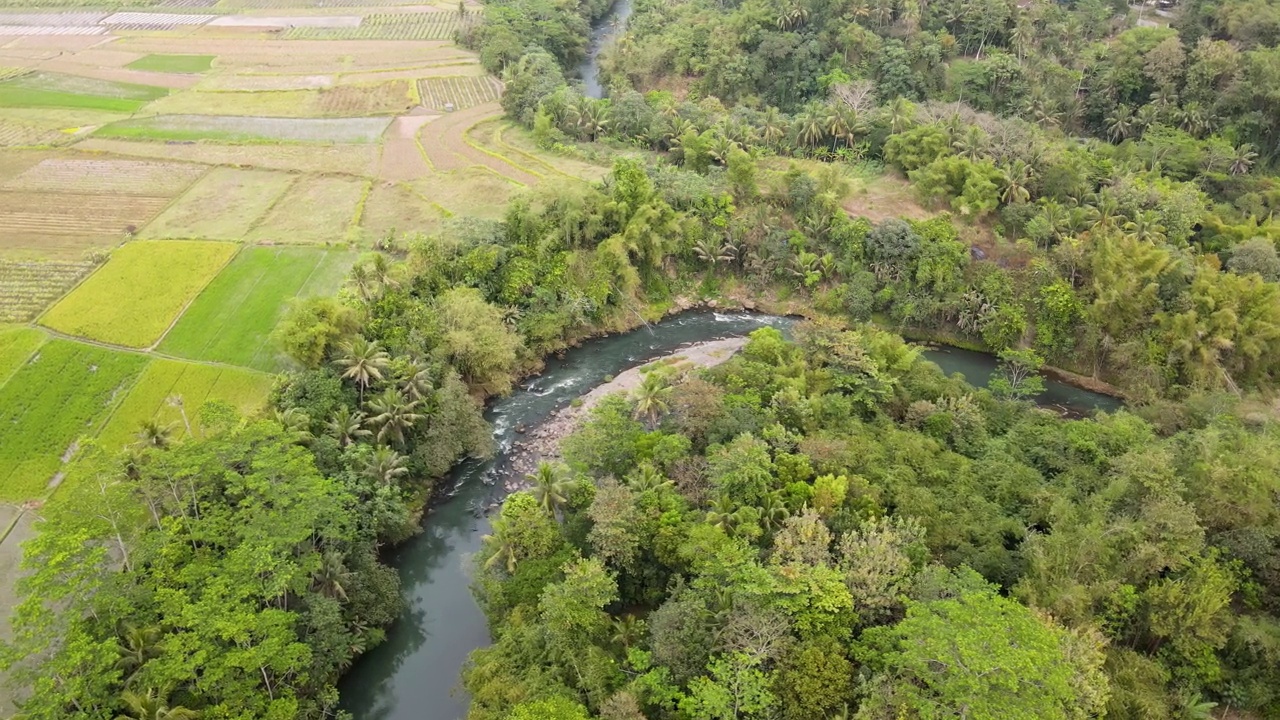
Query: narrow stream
[[604, 32], [412, 676]]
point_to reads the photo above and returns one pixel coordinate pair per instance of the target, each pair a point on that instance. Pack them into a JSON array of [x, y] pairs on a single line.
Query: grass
[[196, 384], [173, 63], [58, 396], [232, 319], [17, 343], [135, 297], [43, 89], [395, 209], [316, 209], [223, 205]]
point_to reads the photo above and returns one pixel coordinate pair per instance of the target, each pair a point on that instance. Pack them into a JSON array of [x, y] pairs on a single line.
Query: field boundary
[[18, 367], [194, 295], [353, 227], [466, 137]]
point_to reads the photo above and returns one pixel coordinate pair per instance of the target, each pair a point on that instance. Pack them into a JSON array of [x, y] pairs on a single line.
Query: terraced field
[[223, 205], [248, 129], [232, 319], [17, 344], [439, 93], [44, 89], [65, 226], [315, 210], [136, 296], [106, 177]]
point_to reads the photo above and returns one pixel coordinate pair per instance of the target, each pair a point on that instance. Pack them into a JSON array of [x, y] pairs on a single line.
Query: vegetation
[[232, 319], [173, 63], [134, 298], [45, 406]]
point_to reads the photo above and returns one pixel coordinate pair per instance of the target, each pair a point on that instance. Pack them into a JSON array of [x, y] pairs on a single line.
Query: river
[[605, 31], [413, 674]]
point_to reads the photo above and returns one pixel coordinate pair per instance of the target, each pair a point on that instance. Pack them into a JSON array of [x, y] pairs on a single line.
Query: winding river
[[413, 675]]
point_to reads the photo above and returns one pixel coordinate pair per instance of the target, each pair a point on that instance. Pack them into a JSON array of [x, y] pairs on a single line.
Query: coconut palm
[[385, 466], [331, 576], [295, 423], [901, 114], [773, 126], [720, 149], [773, 511], [347, 425], [175, 401], [414, 381], [1242, 159], [136, 646], [973, 144], [550, 487], [1016, 178], [393, 416], [383, 272], [151, 433], [713, 253], [646, 477], [148, 706], [722, 514], [1120, 123], [1145, 227], [499, 550], [808, 126], [362, 362], [628, 630], [652, 398]]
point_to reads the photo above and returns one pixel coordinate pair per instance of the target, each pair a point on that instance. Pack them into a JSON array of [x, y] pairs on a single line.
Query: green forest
[[825, 526]]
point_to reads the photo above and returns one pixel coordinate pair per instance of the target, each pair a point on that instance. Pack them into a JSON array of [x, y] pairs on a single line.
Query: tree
[[476, 341], [813, 681], [393, 416], [980, 655], [1256, 255], [153, 434], [347, 425], [313, 328], [550, 486], [362, 362], [734, 689], [385, 466], [1018, 375], [147, 706], [653, 397]]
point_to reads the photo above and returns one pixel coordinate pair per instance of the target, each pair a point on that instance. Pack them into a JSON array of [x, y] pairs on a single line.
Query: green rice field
[[232, 319], [17, 343], [173, 63], [59, 395], [43, 89]]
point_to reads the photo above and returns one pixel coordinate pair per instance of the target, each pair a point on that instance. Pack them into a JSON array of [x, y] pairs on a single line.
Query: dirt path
[[402, 158], [543, 442], [446, 145], [15, 528]]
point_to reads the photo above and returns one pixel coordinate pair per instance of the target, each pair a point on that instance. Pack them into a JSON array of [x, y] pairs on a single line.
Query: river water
[[412, 676], [604, 32]]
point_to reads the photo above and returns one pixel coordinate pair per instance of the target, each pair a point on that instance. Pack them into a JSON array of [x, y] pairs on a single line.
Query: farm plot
[[274, 104], [475, 191], [173, 63], [17, 344], [223, 205], [232, 319], [45, 89], [28, 287], [358, 159], [391, 26], [315, 210], [459, 91], [156, 395], [395, 209], [106, 177], [14, 134], [51, 226], [386, 98], [60, 394], [136, 296], [249, 129]]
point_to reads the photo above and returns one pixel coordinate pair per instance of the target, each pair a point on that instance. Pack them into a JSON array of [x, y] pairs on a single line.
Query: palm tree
[[773, 511], [1120, 123], [972, 144], [499, 550], [720, 149], [347, 425], [1016, 177], [773, 126], [652, 398], [385, 466], [646, 477], [1145, 227], [414, 381], [902, 114], [136, 646], [722, 515], [362, 362], [713, 253], [383, 272], [295, 422], [1242, 159], [550, 487], [809, 127], [393, 416], [330, 576], [153, 434], [148, 706], [361, 281], [627, 631], [175, 401]]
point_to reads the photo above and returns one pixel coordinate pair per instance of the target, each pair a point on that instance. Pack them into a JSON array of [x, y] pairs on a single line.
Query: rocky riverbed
[[543, 441]]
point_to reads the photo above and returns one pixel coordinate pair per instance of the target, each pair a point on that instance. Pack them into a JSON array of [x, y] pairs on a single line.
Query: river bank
[[542, 443]]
